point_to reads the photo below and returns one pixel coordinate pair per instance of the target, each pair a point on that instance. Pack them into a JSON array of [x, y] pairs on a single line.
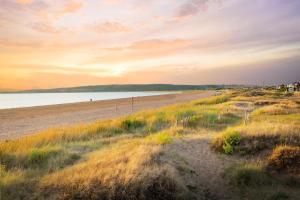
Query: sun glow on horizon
[[45, 44]]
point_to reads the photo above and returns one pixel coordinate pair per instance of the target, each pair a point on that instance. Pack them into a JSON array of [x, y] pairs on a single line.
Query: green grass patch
[[132, 124], [39, 156]]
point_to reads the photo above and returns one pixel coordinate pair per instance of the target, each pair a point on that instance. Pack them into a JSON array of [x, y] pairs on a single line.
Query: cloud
[[193, 7], [282, 71], [24, 1], [142, 50], [72, 6], [19, 44], [44, 27], [113, 2], [110, 27]]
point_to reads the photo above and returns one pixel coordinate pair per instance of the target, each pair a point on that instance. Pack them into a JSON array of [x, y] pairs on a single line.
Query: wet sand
[[18, 122]]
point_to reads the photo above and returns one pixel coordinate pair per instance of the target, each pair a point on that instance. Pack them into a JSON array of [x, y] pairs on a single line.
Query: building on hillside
[[282, 87], [293, 87], [297, 86]]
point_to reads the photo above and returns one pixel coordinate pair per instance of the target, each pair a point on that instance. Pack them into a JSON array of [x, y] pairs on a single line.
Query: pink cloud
[[44, 27], [110, 27], [193, 7]]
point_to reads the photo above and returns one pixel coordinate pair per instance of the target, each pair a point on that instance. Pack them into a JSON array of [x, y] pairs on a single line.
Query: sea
[[20, 100]]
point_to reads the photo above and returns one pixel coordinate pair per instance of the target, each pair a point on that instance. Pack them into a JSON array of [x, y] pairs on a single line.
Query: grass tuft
[[214, 100], [132, 124], [41, 155], [285, 158]]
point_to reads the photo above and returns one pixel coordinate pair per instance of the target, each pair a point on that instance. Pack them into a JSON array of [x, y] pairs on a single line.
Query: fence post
[[246, 117], [132, 104]]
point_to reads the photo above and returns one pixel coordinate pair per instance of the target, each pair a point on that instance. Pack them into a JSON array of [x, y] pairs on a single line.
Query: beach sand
[[15, 123]]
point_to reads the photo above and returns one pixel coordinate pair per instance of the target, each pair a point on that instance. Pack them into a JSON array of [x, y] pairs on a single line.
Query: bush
[[285, 158], [264, 135], [227, 141], [132, 124]]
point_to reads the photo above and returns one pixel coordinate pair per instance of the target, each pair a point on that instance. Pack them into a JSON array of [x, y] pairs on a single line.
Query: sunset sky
[[61, 43]]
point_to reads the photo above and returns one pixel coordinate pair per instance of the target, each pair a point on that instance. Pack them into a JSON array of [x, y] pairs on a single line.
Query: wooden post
[[246, 117], [132, 104]]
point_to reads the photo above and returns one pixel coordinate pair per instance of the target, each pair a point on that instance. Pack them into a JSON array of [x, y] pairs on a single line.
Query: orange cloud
[[143, 50], [72, 6]]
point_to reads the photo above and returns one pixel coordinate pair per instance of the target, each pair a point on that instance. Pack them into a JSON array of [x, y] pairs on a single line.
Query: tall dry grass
[[128, 170]]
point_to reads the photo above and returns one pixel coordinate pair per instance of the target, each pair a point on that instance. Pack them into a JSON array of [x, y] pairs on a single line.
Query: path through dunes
[[15, 123], [202, 168]]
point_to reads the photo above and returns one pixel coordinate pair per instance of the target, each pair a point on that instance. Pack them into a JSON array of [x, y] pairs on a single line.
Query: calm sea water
[[41, 99]]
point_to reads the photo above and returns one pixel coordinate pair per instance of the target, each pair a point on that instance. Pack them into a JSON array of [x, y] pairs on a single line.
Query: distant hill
[[130, 88]]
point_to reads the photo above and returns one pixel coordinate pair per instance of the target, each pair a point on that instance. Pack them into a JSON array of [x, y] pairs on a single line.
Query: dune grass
[[253, 182], [271, 138], [121, 158]]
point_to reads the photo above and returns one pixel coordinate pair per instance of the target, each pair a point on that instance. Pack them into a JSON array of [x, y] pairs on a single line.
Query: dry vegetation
[[124, 158]]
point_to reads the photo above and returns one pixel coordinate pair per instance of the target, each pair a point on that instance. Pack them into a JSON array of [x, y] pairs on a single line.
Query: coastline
[[19, 122]]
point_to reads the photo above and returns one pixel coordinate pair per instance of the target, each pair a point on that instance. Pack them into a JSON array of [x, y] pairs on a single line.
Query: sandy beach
[[15, 123]]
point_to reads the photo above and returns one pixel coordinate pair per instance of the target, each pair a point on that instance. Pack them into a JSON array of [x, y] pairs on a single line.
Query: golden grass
[[259, 136], [285, 158], [128, 170], [282, 108], [121, 158]]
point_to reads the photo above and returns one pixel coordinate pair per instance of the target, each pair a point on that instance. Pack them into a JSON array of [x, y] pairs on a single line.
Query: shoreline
[[158, 93], [19, 122]]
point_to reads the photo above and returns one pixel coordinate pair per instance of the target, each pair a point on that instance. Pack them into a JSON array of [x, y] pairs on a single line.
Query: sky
[[63, 43]]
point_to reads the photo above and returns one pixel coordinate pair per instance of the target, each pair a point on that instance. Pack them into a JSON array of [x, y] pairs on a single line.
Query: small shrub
[[285, 158], [228, 148], [227, 141], [132, 124]]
